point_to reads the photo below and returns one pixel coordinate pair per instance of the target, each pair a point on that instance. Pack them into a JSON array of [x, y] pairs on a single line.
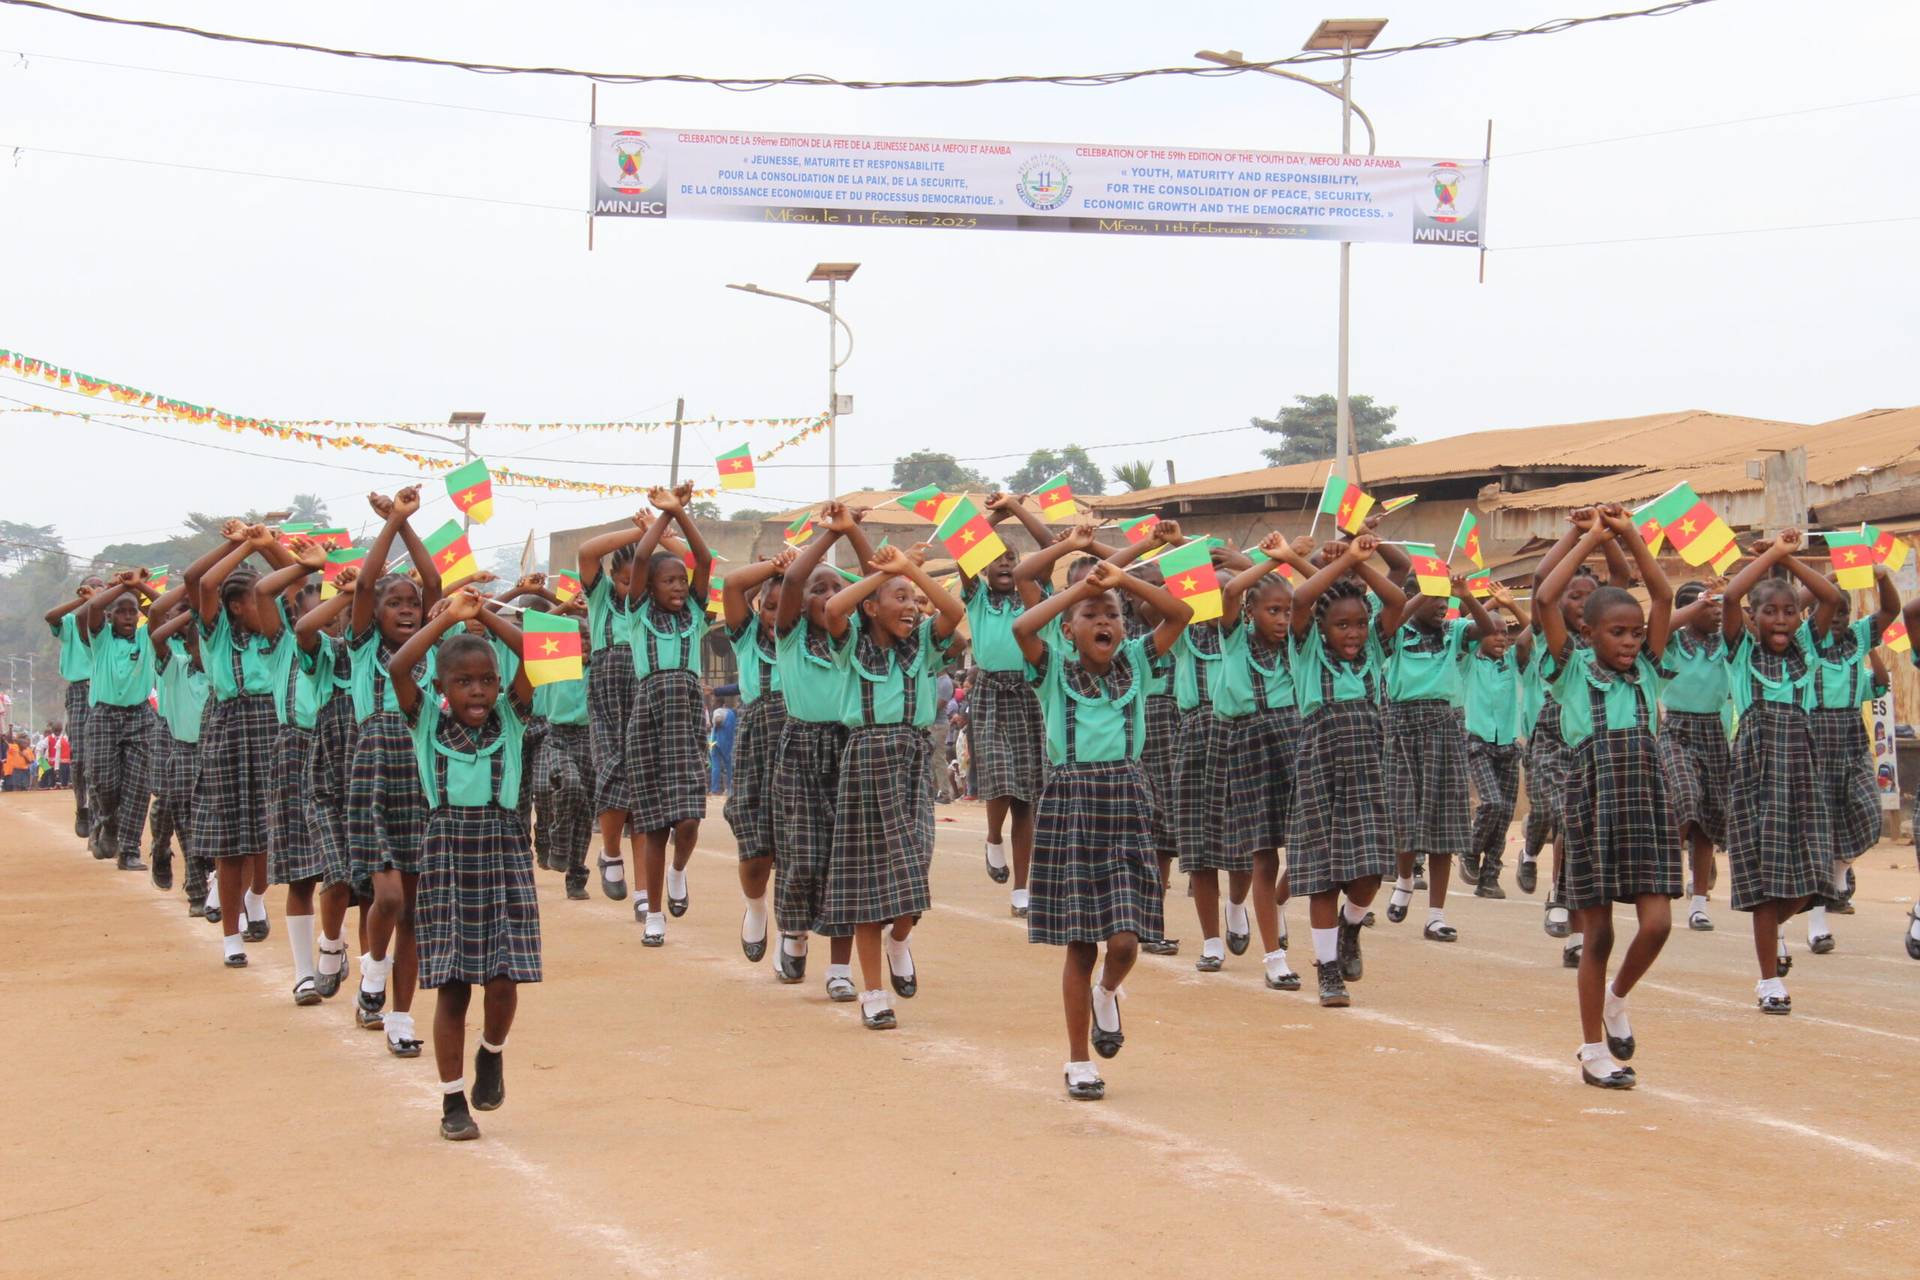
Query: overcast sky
[[299, 301]]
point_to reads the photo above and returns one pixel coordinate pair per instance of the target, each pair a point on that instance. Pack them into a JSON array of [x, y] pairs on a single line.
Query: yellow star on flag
[[1686, 527], [966, 535], [447, 558], [550, 646], [1188, 584], [1850, 555], [465, 499]]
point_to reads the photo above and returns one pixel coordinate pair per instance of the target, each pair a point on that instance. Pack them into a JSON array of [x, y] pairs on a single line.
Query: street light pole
[[832, 274]]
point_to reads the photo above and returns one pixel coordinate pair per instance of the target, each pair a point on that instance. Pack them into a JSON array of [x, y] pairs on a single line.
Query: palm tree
[[1134, 475], [308, 508]]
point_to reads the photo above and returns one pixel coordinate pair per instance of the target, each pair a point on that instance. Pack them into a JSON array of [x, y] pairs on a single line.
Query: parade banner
[[947, 184]]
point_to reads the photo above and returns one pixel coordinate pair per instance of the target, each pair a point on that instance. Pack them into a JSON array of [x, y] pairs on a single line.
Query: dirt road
[[678, 1112]]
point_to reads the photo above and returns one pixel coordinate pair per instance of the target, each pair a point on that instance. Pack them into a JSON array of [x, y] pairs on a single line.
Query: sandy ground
[[678, 1112]]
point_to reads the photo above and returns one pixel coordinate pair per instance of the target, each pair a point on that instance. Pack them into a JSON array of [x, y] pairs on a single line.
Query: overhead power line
[[748, 84]]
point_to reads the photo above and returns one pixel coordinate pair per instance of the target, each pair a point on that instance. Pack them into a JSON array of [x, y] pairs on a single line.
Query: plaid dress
[[806, 789], [1340, 830], [386, 811], [478, 913], [1621, 840], [1256, 760], [1842, 753], [611, 685], [1698, 765], [1546, 774], [1199, 781], [329, 770], [160, 820], [293, 849], [563, 785], [1004, 719], [1494, 770], [236, 776], [119, 746], [1780, 838], [1158, 764], [666, 740], [749, 809], [1426, 755]]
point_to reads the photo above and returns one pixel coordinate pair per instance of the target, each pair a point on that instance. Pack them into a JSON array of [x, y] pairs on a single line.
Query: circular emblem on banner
[[629, 165], [1044, 183], [1444, 200]]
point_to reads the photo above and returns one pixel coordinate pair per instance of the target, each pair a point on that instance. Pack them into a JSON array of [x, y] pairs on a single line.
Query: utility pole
[[679, 414], [1784, 472]]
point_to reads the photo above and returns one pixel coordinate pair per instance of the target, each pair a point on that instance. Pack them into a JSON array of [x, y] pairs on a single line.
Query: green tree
[[308, 508], [34, 587], [20, 543], [750, 515], [917, 470], [1044, 464], [1133, 475], [1309, 431], [704, 509]]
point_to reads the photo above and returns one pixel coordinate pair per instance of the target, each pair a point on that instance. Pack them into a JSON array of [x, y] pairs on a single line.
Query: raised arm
[[593, 550], [793, 588], [1393, 601], [1398, 563], [1547, 596], [1318, 580], [510, 635], [308, 558], [162, 632], [100, 601], [207, 599], [1015, 505], [1273, 546], [1027, 627], [375, 564], [1037, 567], [696, 544], [648, 543], [951, 613], [1733, 620], [66, 607], [1659, 591], [733, 592], [1888, 601], [308, 626], [1826, 595], [1174, 612], [234, 533], [407, 504], [1576, 526], [1483, 623]]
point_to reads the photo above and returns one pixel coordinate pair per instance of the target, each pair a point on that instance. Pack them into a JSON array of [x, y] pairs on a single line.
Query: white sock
[[1557, 915], [1529, 857], [1021, 899], [899, 957], [213, 889], [1575, 940], [494, 1048], [996, 856], [1783, 946], [1613, 1015], [1353, 913], [1770, 987], [230, 944], [615, 871], [792, 945], [1699, 904], [256, 906], [1840, 877], [1106, 1008], [676, 881], [454, 1086], [656, 922], [300, 938], [399, 1026], [1402, 892], [753, 926], [1597, 1061], [333, 956], [1326, 945], [1816, 922], [1215, 947], [373, 974], [1277, 966], [839, 971], [1436, 915], [1081, 1073], [1237, 917]]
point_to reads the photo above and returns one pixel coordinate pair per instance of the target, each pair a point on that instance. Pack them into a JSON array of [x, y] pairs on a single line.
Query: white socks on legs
[[1326, 945], [1436, 915], [333, 956], [256, 906], [753, 925], [676, 881], [230, 944], [899, 957], [996, 856], [373, 974], [1353, 913], [615, 871], [1613, 1015], [1277, 967], [1402, 892], [656, 924], [399, 1026], [1214, 947], [792, 945], [1816, 922], [1237, 917], [1597, 1061], [300, 938], [1106, 1007], [1021, 900]]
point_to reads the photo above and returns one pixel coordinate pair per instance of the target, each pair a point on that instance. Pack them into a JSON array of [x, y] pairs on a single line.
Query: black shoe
[[1019, 913], [1366, 921], [648, 939], [677, 907], [1440, 931], [1621, 1078], [905, 987], [576, 889], [1419, 873], [1488, 885], [841, 990], [162, 869], [1288, 981], [1237, 943], [210, 912], [1396, 910], [1107, 1043], [403, 1048], [1555, 928], [328, 984], [615, 889], [82, 823], [1333, 990], [130, 862], [456, 1122], [196, 907], [1527, 875], [755, 951], [1621, 1047], [97, 845], [790, 969], [1785, 967], [255, 930], [238, 960], [1470, 868], [998, 875], [1781, 1005], [369, 1009], [1820, 945], [307, 992], [1087, 1090], [881, 1021], [489, 1080], [1350, 967], [1913, 943], [1570, 956], [1208, 964], [1161, 946]]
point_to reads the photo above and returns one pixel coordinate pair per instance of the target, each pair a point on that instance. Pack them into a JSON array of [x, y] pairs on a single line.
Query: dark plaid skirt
[[1843, 758], [667, 752], [749, 809], [611, 686], [1698, 765], [160, 825], [478, 914], [119, 750], [76, 723], [1494, 771], [1780, 838], [806, 786], [1009, 737], [236, 777], [329, 772], [563, 784], [386, 812], [1199, 789], [293, 849], [178, 781], [882, 828], [1339, 830], [1257, 758], [1159, 757], [1621, 839], [1427, 763], [1546, 770], [1094, 873]]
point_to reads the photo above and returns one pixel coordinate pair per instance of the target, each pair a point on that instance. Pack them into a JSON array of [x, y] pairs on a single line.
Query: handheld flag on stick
[[1652, 532], [158, 577], [551, 648], [471, 489], [1896, 638], [1887, 549], [1189, 574], [1467, 539], [337, 563], [1696, 531], [1347, 503], [331, 539], [968, 538], [736, 468], [1852, 560], [1137, 529], [1481, 584], [923, 502], [1429, 569], [1453, 610], [451, 551], [800, 530], [1392, 505], [565, 586], [1056, 500], [716, 596]]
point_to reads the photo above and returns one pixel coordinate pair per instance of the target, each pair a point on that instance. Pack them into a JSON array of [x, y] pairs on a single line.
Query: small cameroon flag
[[1852, 560], [471, 489], [158, 577], [923, 502], [716, 596], [1056, 500], [1346, 503], [1285, 570], [551, 648], [1430, 570], [1696, 531], [1392, 505], [800, 530], [1453, 610], [288, 530], [1887, 549], [1190, 576], [451, 551], [565, 586], [331, 539], [1896, 638], [338, 562], [736, 468], [968, 538], [1137, 529], [1481, 584], [1467, 539], [1652, 532]]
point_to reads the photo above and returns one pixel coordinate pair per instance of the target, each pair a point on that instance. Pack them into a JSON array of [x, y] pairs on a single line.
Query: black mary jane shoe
[[1208, 964], [210, 912], [906, 988], [1527, 875], [1556, 928], [306, 993], [1019, 913], [999, 875], [1351, 967], [1107, 1043], [1238, 943], [1288, 981], [653, 939], [369, 1008], [1161, 946], [1621, 1078], [1397, 911], [1621, 1047], [1570, 956], [755, 951], [1333, 990], [1085, 1090], [1780, 1005], [1821, 945], [489, 1080], [238, 960], [790, 969], [881, 1021], [255, 931], [1440, 931], [162, 870], [456, 1122], [404, 1048], [1785, 966], [328, 984], [677, 907], [614, 889]]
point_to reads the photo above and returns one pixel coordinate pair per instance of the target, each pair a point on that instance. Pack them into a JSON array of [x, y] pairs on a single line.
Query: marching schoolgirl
[[319, 634], [1694, 696], [76, 668], [182, 691], [1340, 834], [161, 828], [610, 686], [1426, 753], [1842, 754], [750, 599], [1780, 837], [813, 676], [666, 738], [479, 912], [236, 733], [1616, 820], [1254, 700], [1493, 688], [1199, 797], [119, 720], [1004, 718], [1094, 878], [302, 685], [563, 770], [1911, 615], [386, 808], [877, 877]]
